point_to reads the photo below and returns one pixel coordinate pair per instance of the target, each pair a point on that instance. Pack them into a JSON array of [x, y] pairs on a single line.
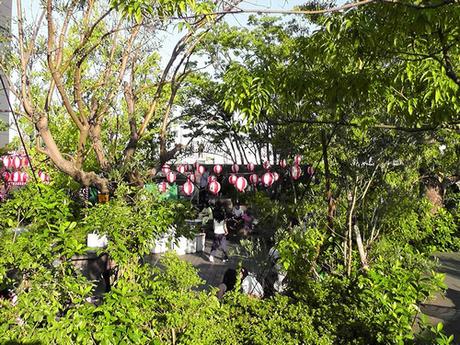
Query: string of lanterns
[[267, 179], [13, 170]]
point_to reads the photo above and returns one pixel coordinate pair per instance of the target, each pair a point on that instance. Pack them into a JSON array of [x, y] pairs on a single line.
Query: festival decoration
[[241, 184], [201, 169], [297, 159], [232, 179], [250, 166], [191, 177], [7, 161], [23, 178], [235, 168], [163, 187], [296, 171], [16, 177], [6, 176], [17, 162], [254, 179], [267, 179], [188, 188], [214, 187], [217, 169], [310, 171], [166, 169], [276, 176], [211, 178], [267, 165], [171, 176], [25, 161], [283, 163], [181, 169]]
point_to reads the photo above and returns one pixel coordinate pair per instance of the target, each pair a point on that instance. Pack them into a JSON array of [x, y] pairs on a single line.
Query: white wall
[[5, 25]]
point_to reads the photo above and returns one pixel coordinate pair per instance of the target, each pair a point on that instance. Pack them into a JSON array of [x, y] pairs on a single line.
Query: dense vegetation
[[369, 97]]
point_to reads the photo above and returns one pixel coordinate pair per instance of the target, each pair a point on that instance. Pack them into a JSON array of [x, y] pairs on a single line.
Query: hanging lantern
[[181, 169], [166, 169], [250, 166], [23, 178], [235, 168], [42, 175], [254, 179], [267, 165], [25, 161], [297, 159], [276, 176], [214, 187], [188, 188], [241, 184], [7, 161], [47, 178], [232, 179], [17, 162], [201, 169], [16, 177], [217, 169], [283, 163], [296, 172], [6, 176], [191, 177], [310, 171], [211, 178], [267, 179], [171, 176], [163, 187]]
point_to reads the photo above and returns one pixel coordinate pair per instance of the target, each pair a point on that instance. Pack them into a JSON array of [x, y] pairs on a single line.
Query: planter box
[[184, 245]]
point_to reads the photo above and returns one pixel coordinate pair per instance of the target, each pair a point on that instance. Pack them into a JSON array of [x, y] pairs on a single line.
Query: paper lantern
[[297, 159], [276, 176], [267, 165], [171, 176], [7, 162], [17, 162], [241, 183], [23, 178], [25, 161], [166, 169], [217, 169], [6, 176], [188, 188], [254, 179], [181, 169], [310, 171], [250, 166], [214, 187], [16, 177], [47, 178], [283, 163], [267, 179], [163, 187], [201, 169], [232, 179], [191, 177], [42, 175], [296, 172], [235, 168], [211, 178]]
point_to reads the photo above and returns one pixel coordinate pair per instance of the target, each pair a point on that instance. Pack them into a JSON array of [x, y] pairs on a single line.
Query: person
[[250, 285], [228, 282], [236, 220], [220, 232], [248, 222]]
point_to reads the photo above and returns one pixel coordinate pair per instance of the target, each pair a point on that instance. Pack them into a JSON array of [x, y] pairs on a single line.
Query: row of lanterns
[[13, 164], [240, 183]]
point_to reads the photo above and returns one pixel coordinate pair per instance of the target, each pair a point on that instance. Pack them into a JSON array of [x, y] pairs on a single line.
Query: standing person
[[220, 231]]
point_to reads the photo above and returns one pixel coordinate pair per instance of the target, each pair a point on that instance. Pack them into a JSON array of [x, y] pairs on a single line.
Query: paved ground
[[446, 308]]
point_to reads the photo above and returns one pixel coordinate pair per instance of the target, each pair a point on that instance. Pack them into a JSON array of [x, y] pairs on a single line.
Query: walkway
[[446, 308]]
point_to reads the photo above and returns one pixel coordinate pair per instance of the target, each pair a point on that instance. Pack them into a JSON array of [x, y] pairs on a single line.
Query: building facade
[[5, 29]]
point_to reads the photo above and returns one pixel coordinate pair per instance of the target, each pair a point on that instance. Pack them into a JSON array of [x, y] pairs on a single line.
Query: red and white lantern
[[211, 178], [214, 187], [6, 176], [42, 175], [7, 161], [188, 188], [191, 177], [163, 187], [276, 176], [47, 178], [232, 179], [235, 168], [283, 163], [17, 162], [166, 169], [23, 178], [250, 166], [267, 179], [296, 172], [254, 179], [241, 184], [181, 169], [297, 159], [217, 169], [16, 177], [310, 171], [267, 165], [25, 161], [171, 176], [201, 169]]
